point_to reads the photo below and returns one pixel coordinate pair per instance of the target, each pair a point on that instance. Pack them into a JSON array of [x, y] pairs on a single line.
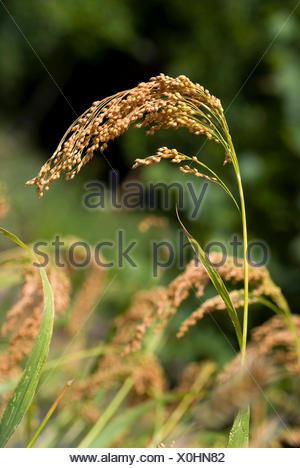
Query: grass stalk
[[49, 414], [245, 246], [90, 437]]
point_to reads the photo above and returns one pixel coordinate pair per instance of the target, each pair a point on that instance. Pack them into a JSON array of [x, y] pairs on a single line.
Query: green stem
[[245, 246], [88, 440], [239, 434]]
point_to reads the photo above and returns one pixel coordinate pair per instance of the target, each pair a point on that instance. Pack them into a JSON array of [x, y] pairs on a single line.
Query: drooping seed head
[[162, 102]]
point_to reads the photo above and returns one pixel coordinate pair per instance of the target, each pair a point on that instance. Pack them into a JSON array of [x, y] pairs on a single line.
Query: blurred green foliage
[[59, 56]]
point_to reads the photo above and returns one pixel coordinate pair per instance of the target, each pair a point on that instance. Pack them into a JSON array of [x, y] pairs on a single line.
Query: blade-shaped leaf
[[216, 280], [239, 434], [25, 389]]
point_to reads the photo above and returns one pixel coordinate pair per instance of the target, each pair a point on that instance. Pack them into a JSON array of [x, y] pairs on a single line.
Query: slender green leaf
[[25, 389], [216, 280], [239, 434]]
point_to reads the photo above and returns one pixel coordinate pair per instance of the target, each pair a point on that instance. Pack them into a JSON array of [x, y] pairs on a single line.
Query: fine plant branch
[[49, 414], [215, 178]]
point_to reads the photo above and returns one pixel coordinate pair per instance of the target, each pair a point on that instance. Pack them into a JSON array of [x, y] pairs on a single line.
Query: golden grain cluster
[[162, 102]]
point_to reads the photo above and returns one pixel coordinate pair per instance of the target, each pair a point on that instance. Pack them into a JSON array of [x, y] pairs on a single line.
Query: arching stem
[[245, 245]]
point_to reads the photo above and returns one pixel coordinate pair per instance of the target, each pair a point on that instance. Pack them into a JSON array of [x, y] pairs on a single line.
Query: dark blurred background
[[57, 57]]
